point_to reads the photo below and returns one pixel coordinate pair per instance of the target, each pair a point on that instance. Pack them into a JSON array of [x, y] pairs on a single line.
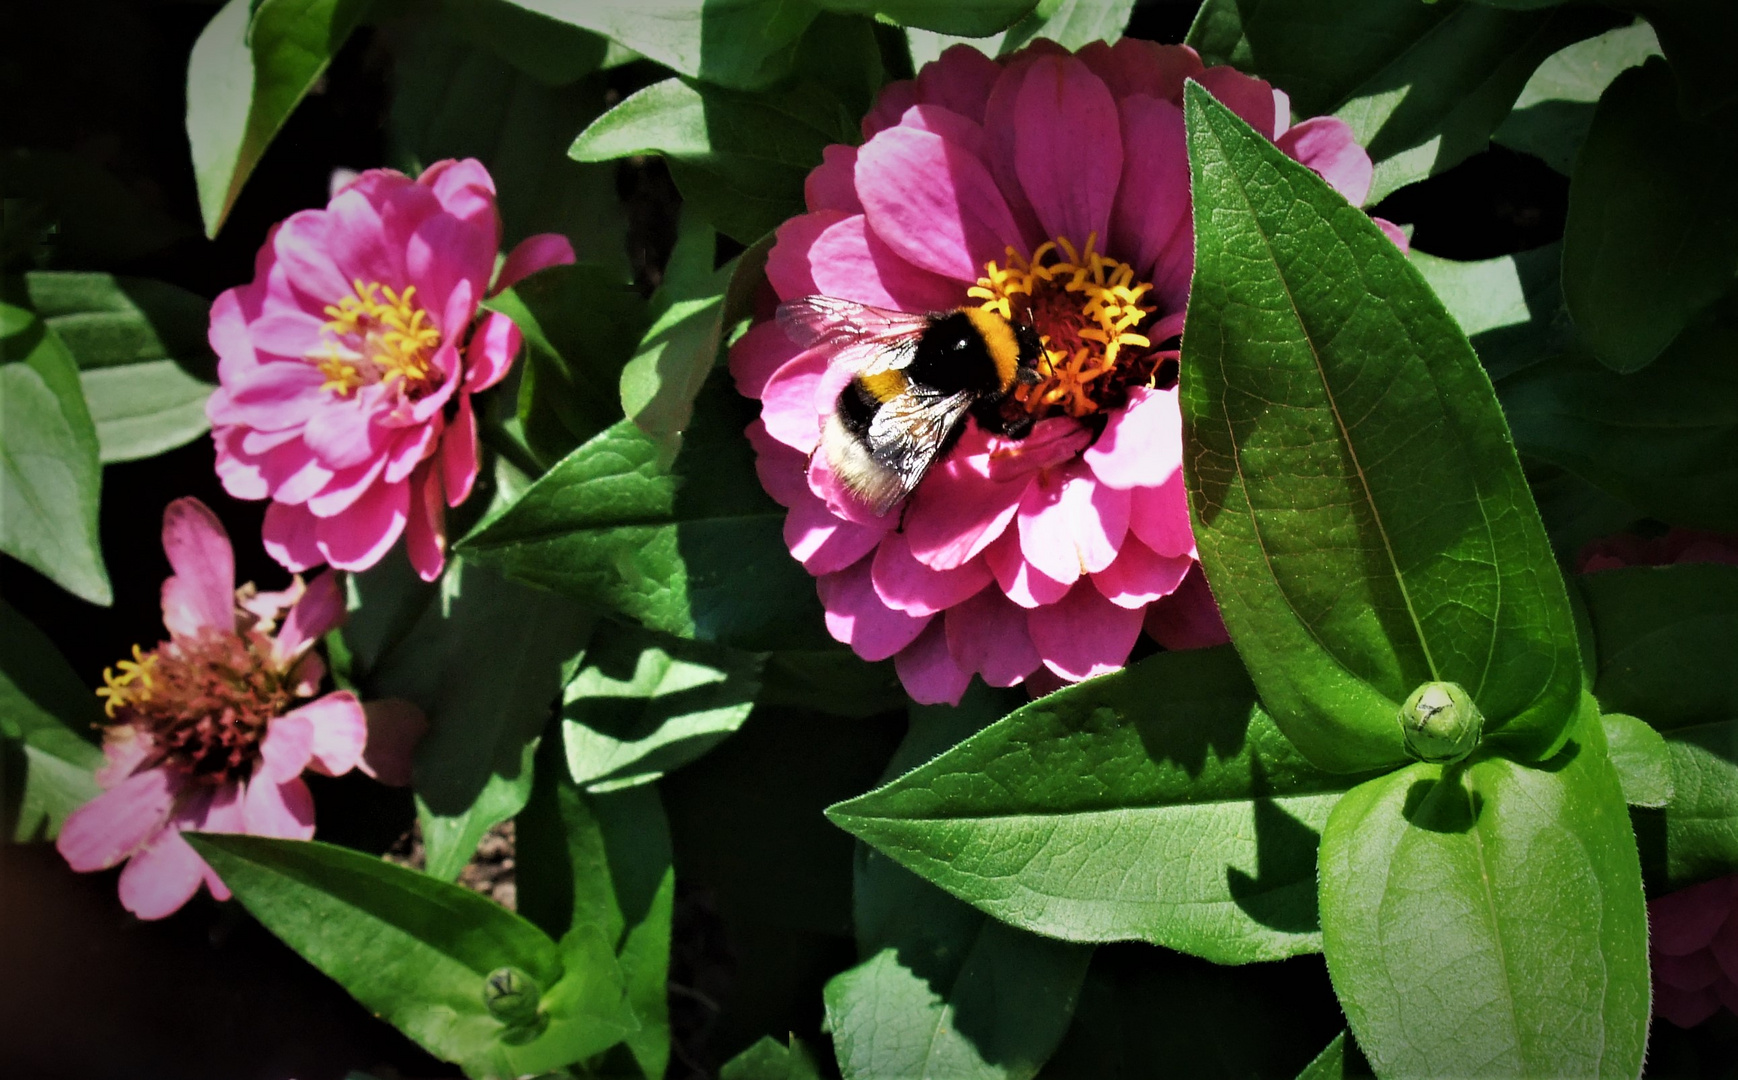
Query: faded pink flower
[[1674, 546], [1054, 188], [346, 370], [1693, 946], [212, 729]]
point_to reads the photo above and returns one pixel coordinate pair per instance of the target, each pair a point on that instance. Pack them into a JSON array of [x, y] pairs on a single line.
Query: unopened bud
[[1440, 722], [513, 997]]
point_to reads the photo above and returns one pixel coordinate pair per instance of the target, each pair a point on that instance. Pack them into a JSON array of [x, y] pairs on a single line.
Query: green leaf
[[1422, 86], [602, 863], [1664, 439], [770, 1059], [739, 159], [1359, 508], [1699, 37], [249, 70], [143, 410], [1510, 307], [1555, 108], [43, 709], [553, 52], [642, 704], [745, 44], [416, 952], [945, 991], [1652, 233], [50, 476], [834, 681], [1641, 759], [96, 219], [484, 662], [1158, 803], [1070, 23], [455, 98], [1488, 919], [1341, 1060], [679, 350], [967, 18], [684, 542], [579, 322], [1668, 653]]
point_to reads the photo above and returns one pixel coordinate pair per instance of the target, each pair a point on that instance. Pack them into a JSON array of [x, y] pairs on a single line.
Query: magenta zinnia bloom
[[212, 729], [1693, 943], [346, 370], [1053, 188]]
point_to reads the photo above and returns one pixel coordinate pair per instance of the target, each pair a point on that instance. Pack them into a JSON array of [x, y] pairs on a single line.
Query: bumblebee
[[915, 379]]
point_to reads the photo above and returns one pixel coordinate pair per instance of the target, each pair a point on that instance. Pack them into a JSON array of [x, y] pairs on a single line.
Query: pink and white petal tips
[[201, 594], [1052, 188], [339, 361], [115, 825], [319, 609]]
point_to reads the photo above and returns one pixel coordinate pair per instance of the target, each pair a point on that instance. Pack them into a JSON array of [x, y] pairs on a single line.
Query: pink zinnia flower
[[212, 729], [346, 371], [1693, 944], [1053, 188]]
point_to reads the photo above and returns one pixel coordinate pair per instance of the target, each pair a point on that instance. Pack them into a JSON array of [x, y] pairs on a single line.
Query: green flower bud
[[1440, 722], [513, 997]]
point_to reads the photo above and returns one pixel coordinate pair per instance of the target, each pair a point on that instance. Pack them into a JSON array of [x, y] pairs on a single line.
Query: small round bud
[[1440, 722], [512, 997]]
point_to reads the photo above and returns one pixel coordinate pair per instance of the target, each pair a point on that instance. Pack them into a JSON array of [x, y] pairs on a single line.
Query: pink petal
[[1142, 443], [287, 332], [1083, 634], [857, 617], [967, 135], [1051, 443], [303, 249], [788, 402], [1245, 95], [282, 809], [823, 542], [201, 595], [1188, 618], [987, 634], [890, 105], [960, 79], [1697, 971], [789, 270], [320, 608], [904, 584], [1138, 577], [1281, 112], [1019, 580], [1327, 146], [228, 334], [162, 877], [287, 747], [444, 255], [759, 353], [368, 228], [1062, 108], [928, 672], [934, 203], [1685, 1008], [532, 254], [1393, 232], [841, 502], [957, 511], [271, 397], [290, 535], [124, 747], [490, 351], [361, 535], [425, 530], [1001, 137], [1154, 194], [832, 185], [1070, 524], [120, 821], [394, 729], [848, 260], [342, 491], [339, 731], [1159, 517], [343, 433], [1682, 922], [1725, 946], [459, 453], [466, 191], [1133, 66], [782, 470]]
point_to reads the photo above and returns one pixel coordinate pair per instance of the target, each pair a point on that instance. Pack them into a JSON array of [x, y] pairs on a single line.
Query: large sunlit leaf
[[1668, 653], [1487, 919], [1360, 511], [417, 952], [1652, 233], [771, 1059], [1552, 113], [1510, 307], [551, 51], [1664, 439], [1069, 23], [50, 475], [1158, 803], [685, 542], [739, 159], [484, 661], [249, 70], [44, 712]]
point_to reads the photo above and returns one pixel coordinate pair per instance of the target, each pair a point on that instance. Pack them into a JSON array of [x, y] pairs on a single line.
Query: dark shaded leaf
[[1555, 108], [44, 711]]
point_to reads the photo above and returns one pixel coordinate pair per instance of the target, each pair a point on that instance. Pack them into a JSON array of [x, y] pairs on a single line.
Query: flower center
[[375, 340], [1088, 311], [204, 701]]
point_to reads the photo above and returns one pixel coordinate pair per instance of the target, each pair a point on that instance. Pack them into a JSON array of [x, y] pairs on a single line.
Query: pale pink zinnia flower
[[1053, 188], [212, 729], [1693, 943], [346, 370]]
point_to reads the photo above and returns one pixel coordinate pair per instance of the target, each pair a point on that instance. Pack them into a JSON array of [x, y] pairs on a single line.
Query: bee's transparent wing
[[910, 432], [859, 337]]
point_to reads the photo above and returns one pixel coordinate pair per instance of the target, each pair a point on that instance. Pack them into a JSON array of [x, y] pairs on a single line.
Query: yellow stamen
[[376, 339], [134, 684], [1085, 307]]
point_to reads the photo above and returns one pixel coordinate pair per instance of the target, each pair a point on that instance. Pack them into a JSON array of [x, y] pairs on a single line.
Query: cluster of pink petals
[[1675, 546], [349, 473], [1693, 944], [139, 818], [1037, 560]]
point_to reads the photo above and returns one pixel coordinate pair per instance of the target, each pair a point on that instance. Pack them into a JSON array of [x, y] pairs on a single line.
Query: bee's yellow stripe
[[999, 339], [885, 385]]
